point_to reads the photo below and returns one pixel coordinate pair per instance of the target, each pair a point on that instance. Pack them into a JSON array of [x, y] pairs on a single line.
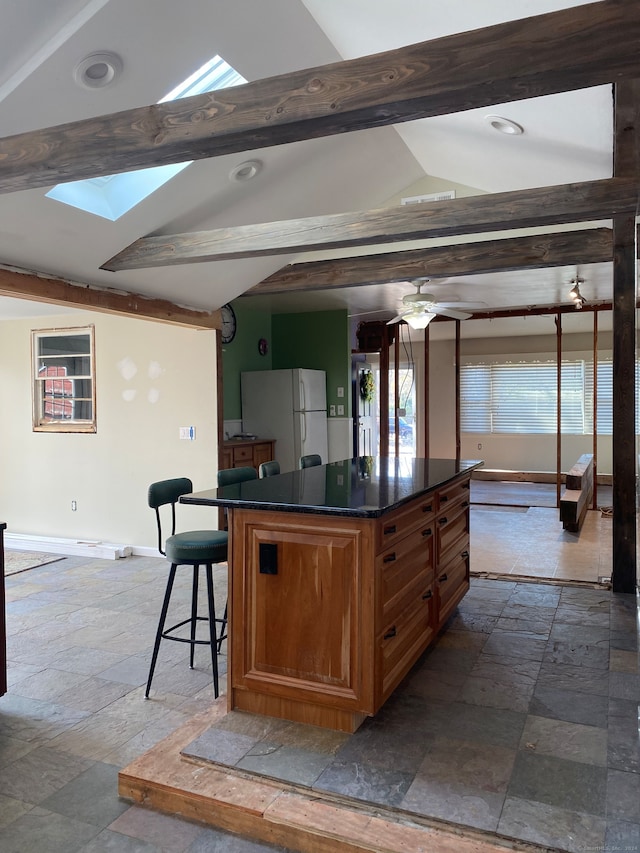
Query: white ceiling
[[567, 138]]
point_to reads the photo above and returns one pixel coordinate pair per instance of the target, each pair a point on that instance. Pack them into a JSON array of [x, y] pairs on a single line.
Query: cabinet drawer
[[452, 531], [409, 563], [396, 525], [452, 582], [404, 641], [453, 495], [243, 454]]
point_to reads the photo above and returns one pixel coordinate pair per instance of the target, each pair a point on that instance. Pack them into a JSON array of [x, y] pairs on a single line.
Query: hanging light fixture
[[578, 299]]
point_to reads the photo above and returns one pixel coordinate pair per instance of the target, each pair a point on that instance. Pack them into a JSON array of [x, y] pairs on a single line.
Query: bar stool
[[269, 469], [310, 460], [195, 548]]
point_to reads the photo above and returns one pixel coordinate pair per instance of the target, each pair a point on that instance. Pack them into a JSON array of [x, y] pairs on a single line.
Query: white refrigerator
[[289, 406]]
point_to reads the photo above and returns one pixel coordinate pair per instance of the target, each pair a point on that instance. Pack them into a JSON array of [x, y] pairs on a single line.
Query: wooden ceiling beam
[[52, 291], [556, 205], [538, 251], [560, 51]]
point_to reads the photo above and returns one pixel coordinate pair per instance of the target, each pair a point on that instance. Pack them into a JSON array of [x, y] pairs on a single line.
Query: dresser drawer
[[452, 533], [452, 582], [405, 639], [408, 563], [453, 495], [396, 525], [243, 454]]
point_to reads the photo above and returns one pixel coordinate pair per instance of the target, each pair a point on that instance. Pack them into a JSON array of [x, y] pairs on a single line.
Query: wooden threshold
[[271, 811]]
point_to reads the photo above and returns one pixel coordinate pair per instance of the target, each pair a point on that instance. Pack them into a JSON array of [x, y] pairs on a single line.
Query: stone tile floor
[[521, 720], [80, 633]]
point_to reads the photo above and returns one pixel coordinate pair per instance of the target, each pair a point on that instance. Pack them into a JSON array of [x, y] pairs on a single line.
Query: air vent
[[421, 199]]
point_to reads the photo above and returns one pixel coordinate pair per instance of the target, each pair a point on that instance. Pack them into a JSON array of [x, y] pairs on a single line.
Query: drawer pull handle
[[427, 532], [428, 594], [465, 503], [389, 558], [444, 498], [427, 508], [443, 577], [442, 520], [465, 554], [390, 529], [390, 633]]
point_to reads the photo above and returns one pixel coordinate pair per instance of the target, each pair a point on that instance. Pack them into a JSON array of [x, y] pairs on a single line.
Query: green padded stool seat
[[198, 549], [269, 469], [229, 476], [310, 460]]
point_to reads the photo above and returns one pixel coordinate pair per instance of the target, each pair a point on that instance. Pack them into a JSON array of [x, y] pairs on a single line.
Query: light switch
[[188, 433], [340, 410], [340, 392]]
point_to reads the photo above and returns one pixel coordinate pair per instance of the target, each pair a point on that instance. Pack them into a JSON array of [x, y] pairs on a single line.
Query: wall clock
[[228, 323], [263, 346]]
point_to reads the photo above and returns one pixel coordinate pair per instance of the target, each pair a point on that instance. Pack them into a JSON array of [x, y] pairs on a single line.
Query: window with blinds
[[522, 397]]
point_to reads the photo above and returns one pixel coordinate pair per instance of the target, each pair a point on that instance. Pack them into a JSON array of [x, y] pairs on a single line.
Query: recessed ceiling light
[[97, 70], [245, 171], [504, 125]]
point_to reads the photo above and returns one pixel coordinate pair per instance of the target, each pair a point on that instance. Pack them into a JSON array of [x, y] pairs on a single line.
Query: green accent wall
[[242, 354], [317, 339], [320, 340]]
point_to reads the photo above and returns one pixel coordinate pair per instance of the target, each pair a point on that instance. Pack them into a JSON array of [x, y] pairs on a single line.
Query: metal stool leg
[[194, 613], [212, 629], [163, 617], [223, 630]]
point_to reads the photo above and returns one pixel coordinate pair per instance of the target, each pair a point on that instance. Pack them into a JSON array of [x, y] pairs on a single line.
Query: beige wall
[[151, 379]]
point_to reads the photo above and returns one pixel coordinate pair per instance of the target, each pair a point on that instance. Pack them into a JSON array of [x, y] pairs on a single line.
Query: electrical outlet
[[188, 433], [332, 411], [340, 391], [340, 410]]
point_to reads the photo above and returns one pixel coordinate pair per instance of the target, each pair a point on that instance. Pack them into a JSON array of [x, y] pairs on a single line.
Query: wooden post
[[384, 395], [457, 371], [396, 393], [426, 409], [594, 448], [626, 161], [558, 407]]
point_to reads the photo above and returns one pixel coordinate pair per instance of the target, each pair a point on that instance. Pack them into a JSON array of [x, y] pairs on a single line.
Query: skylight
[[112, 196]]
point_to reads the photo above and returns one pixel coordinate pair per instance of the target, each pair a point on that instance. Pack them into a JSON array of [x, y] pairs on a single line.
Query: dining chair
[[269, 469], [229, 476], [195, 548], [310, 460]]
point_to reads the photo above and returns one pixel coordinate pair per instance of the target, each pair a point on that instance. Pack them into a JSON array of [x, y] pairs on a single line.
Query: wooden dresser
[[239, 452]]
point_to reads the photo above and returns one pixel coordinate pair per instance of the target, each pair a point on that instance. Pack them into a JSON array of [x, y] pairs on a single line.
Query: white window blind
[[522, 397]]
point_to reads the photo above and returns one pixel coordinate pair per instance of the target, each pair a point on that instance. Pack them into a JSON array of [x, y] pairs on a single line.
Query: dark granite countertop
[[366, 486]]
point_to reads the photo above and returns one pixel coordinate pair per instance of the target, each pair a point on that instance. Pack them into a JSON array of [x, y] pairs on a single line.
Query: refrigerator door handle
[[302, 396], [304, 428]]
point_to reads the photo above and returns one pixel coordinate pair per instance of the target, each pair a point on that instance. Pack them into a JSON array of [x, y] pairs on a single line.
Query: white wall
[[151, 378]]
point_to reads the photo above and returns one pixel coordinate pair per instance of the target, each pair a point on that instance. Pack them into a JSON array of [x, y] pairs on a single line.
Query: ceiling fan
[[420, 308]]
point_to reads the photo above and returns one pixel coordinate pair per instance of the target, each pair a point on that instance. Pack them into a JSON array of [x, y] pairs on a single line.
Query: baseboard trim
[[69, 547]]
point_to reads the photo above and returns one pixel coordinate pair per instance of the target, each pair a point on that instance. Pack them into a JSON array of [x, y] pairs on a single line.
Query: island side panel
[[303, 596]]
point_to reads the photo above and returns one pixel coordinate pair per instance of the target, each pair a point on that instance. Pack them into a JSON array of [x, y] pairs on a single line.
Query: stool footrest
[[167, 633]]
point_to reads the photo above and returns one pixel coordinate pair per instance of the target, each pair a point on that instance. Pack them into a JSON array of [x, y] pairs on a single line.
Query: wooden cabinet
[[236, 454], [329, 613]]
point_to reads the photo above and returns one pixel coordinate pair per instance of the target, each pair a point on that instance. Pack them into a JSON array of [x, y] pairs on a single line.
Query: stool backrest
[[166, 492], [310, 460], [229, 476], [269, 469]]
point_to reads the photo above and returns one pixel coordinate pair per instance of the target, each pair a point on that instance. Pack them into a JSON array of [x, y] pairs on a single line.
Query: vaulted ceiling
[[439, 141]]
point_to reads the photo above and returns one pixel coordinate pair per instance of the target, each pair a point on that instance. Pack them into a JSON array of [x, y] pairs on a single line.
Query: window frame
[[66, 425]]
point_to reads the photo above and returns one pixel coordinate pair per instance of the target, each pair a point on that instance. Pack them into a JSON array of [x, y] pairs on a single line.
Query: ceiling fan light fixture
[[419, 320]]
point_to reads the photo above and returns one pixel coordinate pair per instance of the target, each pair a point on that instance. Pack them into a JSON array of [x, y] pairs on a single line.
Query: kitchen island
[[340, 577]]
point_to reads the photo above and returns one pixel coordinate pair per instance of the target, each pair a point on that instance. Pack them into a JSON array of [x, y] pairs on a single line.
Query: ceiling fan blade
[[449, 312]]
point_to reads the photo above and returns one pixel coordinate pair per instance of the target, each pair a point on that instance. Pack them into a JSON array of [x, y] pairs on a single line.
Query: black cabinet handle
[[467, 485], [443, 577], [390, 529], [428, 594], [427, 532], [442, 520], [465, 554], [444, 498], [390, 633], [389, 558], [465, 503], [427, 508]]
